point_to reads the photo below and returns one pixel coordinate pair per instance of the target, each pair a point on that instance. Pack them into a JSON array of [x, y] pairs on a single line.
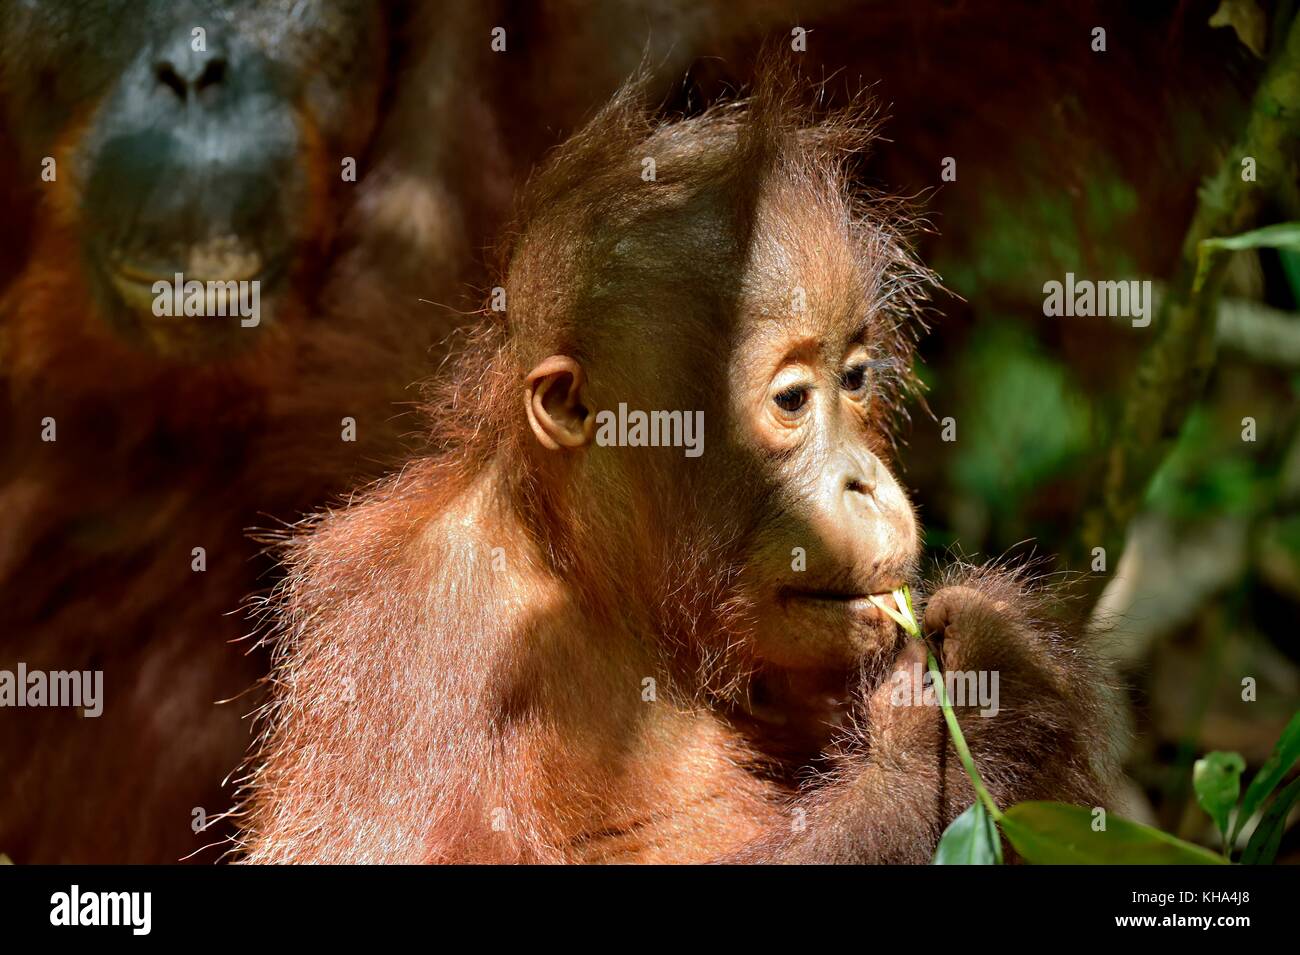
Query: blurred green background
[[1098, 176]]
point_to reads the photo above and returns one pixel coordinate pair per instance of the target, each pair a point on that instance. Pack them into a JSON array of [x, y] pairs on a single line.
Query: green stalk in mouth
[[906, 618]]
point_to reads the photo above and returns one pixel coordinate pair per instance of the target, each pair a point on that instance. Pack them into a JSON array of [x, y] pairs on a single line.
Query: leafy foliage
[[1055, 833], [1217, 780], [971, 839]]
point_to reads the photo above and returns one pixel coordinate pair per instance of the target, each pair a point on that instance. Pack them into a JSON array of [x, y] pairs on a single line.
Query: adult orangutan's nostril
[[214, 73], [167, 76]]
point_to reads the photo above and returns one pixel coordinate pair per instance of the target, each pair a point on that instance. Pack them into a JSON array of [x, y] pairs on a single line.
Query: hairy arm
[[896, 790]]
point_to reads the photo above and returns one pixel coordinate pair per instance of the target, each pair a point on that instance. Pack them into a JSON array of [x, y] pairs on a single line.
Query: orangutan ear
[[556, 412]]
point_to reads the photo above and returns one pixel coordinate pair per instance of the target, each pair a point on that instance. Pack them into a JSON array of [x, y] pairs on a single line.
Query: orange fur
[[461, 653], [155, 457]]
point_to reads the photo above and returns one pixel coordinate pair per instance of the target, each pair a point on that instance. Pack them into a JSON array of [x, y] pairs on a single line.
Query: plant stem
[[959, 739], [905, 617]]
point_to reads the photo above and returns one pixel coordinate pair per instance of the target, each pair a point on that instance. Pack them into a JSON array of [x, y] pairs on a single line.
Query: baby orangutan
[[549, 642]]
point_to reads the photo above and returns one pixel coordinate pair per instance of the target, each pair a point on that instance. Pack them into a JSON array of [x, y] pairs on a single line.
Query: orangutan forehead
[[810, 265], [696, 276], [790, 233], [720, 233]]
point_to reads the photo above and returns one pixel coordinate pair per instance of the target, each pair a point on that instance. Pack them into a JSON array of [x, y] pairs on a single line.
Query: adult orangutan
[[558, 638], [336, 158]]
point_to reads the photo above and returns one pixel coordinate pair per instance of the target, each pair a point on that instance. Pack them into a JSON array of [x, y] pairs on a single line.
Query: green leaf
[[1054, 833], [971, 839], [1281, 235], [1246, 19], [1284, 756], [1290, 262], [1262, 848], [1217, 780]]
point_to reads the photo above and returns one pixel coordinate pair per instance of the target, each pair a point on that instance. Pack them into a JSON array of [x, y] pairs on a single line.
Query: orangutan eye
[[792, 399], [854, 380]]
